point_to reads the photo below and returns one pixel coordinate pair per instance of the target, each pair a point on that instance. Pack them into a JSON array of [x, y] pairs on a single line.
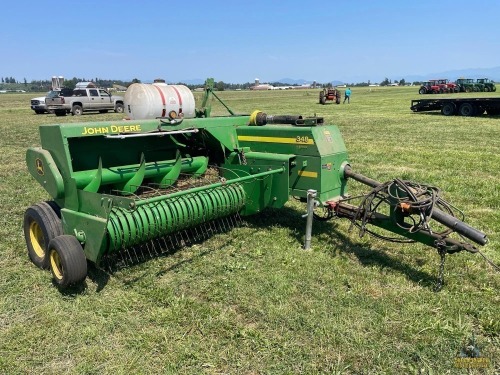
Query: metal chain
[[243, 158]]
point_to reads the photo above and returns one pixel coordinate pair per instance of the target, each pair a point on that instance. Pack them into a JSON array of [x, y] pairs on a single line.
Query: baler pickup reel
[[117, 187]]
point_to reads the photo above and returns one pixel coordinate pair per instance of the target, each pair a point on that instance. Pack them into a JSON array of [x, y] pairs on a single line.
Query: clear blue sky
[[237, 41]]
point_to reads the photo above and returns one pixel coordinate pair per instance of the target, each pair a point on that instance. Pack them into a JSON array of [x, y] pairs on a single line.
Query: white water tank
[[148, 101]]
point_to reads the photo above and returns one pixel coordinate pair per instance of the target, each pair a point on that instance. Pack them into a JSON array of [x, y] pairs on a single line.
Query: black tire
[[486, 89], [67, 261], [322, 99], [337, 100], [422, 91], [468, 89], [41, 224], [457, 90], [119, 108], [466, 109], [448, 109], [77, 110], [60, 112]]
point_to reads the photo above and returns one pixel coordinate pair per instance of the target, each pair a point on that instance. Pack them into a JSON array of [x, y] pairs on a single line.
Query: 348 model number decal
[[302, 139]]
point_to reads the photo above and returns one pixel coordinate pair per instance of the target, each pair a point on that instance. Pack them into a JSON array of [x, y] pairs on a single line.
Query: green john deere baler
[[117, 186]]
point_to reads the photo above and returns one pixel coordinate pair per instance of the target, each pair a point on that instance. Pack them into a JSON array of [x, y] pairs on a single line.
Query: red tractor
[[438, 86], [429, 87], [445, 86], [330, 94]]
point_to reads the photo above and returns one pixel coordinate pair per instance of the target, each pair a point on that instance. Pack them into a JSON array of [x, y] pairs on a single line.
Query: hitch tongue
[[408, 198]]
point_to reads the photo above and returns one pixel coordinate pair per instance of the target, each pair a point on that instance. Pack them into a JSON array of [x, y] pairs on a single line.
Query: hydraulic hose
[[440, 216]]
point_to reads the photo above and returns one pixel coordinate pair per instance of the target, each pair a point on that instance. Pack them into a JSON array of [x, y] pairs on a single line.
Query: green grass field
[[251, 301]]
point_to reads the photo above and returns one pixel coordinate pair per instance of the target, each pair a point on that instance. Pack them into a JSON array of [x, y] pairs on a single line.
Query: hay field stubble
[[251, 301]]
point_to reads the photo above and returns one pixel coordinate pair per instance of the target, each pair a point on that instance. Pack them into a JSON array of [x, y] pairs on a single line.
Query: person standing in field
[[347, 96]]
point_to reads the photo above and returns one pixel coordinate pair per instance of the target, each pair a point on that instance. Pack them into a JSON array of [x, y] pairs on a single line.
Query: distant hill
[[193, 81], [491, 73], [291, 81]]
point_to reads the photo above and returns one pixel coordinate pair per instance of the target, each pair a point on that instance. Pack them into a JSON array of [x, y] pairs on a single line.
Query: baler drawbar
[[119, 185]]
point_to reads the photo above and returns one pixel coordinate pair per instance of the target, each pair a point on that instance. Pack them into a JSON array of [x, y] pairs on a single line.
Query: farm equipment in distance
[[438, 86], [467, 85], [486, 84], [123, 190], [447, 87], [428, 88], [330, 94]]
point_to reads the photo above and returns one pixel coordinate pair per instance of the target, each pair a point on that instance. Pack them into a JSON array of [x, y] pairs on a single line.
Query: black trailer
[[458, 106]]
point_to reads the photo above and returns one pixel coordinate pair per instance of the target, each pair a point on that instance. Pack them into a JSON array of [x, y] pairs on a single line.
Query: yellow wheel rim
[[37, 240], [56, 265]]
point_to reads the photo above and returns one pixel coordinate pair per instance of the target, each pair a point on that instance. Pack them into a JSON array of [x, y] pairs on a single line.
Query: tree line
[[10, 83]]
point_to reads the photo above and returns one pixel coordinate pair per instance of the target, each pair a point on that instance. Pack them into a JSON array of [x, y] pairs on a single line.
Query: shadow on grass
[[286, 218], [429, 113], [157, 248], [438, 113], [339, 241]]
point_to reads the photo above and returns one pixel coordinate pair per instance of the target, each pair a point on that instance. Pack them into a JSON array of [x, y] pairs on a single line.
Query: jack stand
[[311, 195]]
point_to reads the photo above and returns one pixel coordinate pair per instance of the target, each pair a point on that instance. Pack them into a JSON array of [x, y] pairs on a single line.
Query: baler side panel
[[320, 153], [263, 192]]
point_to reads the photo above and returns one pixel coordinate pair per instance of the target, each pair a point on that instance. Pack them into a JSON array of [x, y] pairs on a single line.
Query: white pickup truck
[[38, 105], [83, 99]]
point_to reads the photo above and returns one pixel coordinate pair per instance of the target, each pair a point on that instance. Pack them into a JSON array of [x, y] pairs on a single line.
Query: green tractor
[[487, 84], [467, 85]]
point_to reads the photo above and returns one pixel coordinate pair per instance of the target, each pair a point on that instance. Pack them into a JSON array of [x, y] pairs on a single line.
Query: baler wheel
[[67, 261], [422, 91], [41, 225]]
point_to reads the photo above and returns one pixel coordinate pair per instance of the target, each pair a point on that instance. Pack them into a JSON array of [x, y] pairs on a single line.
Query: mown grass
[[250, 301]]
